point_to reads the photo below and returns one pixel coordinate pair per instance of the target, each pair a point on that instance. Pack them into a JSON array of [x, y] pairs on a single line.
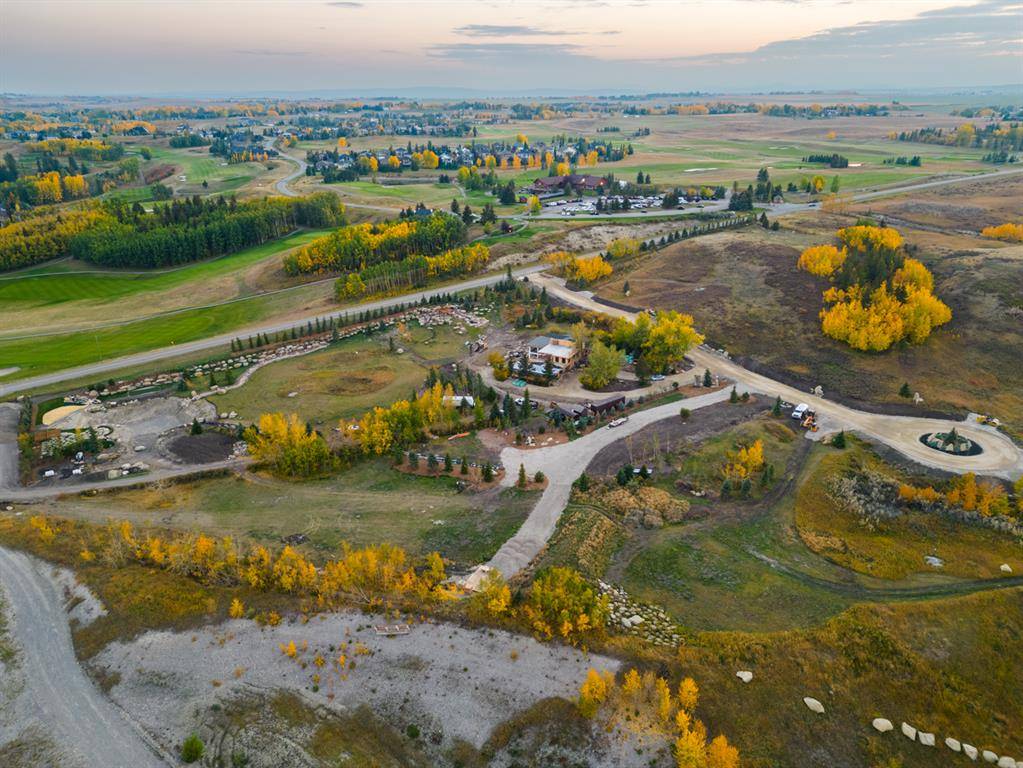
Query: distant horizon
[[456, 92], [190, 49]]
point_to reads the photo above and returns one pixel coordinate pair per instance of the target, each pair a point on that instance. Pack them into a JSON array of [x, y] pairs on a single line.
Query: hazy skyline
[[151, 47]]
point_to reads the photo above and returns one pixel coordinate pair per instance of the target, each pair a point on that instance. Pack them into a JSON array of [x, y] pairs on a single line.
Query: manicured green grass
[[72, 281], [198, 165], [339, 382], [38, 355]]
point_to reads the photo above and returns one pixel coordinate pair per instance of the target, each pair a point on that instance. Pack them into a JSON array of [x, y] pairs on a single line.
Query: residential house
[[556, 349]]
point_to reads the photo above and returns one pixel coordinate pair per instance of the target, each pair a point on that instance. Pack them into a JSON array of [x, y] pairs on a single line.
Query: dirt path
[[72, 711]]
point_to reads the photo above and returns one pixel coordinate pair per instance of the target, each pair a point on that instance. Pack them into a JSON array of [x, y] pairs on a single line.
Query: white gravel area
[[461, 681]]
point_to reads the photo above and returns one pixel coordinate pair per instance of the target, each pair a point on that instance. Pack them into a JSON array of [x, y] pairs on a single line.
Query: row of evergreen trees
[[184, 232]]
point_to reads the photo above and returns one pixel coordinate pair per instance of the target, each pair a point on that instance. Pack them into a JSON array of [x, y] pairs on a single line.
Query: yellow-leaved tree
[[288, 447], [561, 602]]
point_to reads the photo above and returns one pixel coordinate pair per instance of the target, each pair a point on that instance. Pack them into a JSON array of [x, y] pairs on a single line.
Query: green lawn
[[341, 381], [73, 281], [43, 354], [198, 165]]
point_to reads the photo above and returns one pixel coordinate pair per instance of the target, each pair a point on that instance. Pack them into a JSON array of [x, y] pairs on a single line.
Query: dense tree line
[[194, 229], [835, 161], [413, 271], [84, 149], [187, 140], [43, 237], [1007, 137], [356, 247]]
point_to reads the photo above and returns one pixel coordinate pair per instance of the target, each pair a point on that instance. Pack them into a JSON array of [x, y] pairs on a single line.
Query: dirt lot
[[747, 296], [646, 446], [201, 449]]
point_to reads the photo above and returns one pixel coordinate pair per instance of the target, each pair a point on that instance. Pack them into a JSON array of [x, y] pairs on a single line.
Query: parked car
[[618, 422], [799, 411]]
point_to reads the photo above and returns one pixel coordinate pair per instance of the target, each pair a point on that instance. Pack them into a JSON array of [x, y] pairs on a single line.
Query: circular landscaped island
[[951, 442]]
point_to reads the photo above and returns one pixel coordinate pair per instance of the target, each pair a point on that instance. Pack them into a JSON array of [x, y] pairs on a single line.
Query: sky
[[332, 47]]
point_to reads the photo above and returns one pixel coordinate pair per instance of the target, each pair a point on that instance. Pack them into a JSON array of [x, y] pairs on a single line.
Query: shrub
[[192, 749], [684, 414]]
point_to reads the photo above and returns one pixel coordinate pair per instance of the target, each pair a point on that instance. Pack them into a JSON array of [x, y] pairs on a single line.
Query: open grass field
[[369, 503], [946, 666], [198, 165], [746, 294], [339, 382], [41, 354], [63, 290]]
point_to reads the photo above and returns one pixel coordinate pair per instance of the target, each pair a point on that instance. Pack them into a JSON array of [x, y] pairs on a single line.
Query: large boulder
[[881, 725], [970, 751], [744, 675], [908, 731], [813, 705], [989, 756], [1006, 762], [953, 744], [927, 739]]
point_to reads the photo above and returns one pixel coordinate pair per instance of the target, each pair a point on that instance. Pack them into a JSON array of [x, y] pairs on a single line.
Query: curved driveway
[[71, 710], [1001, 457], [563, 463]]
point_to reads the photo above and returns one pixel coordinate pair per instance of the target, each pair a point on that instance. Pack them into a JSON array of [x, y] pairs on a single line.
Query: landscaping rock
[[989, 756], [927, 739], [744, 676], [909, 731], [881, 725], [970, 751], [1006, 762], [813, 705], [1005, 568], [953, 744]]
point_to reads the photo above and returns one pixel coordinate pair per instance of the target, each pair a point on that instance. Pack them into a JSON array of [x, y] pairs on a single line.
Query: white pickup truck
[[618, 422]]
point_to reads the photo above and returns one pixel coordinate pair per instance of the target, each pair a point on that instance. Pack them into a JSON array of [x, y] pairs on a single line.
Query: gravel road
[[82, 722], [562, 464], [1001, 456]]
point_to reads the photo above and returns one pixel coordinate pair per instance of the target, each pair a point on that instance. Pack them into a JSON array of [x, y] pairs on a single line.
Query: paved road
[[282, 184], [17, 493], [1001, 457], [9, 413], [72, 711], [562, 464], [200, 345]]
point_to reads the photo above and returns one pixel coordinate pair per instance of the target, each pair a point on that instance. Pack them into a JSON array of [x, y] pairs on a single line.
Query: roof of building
[[556, 350]]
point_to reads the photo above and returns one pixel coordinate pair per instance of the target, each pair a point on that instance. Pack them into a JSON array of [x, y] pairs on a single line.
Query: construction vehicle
[[809, 420]]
